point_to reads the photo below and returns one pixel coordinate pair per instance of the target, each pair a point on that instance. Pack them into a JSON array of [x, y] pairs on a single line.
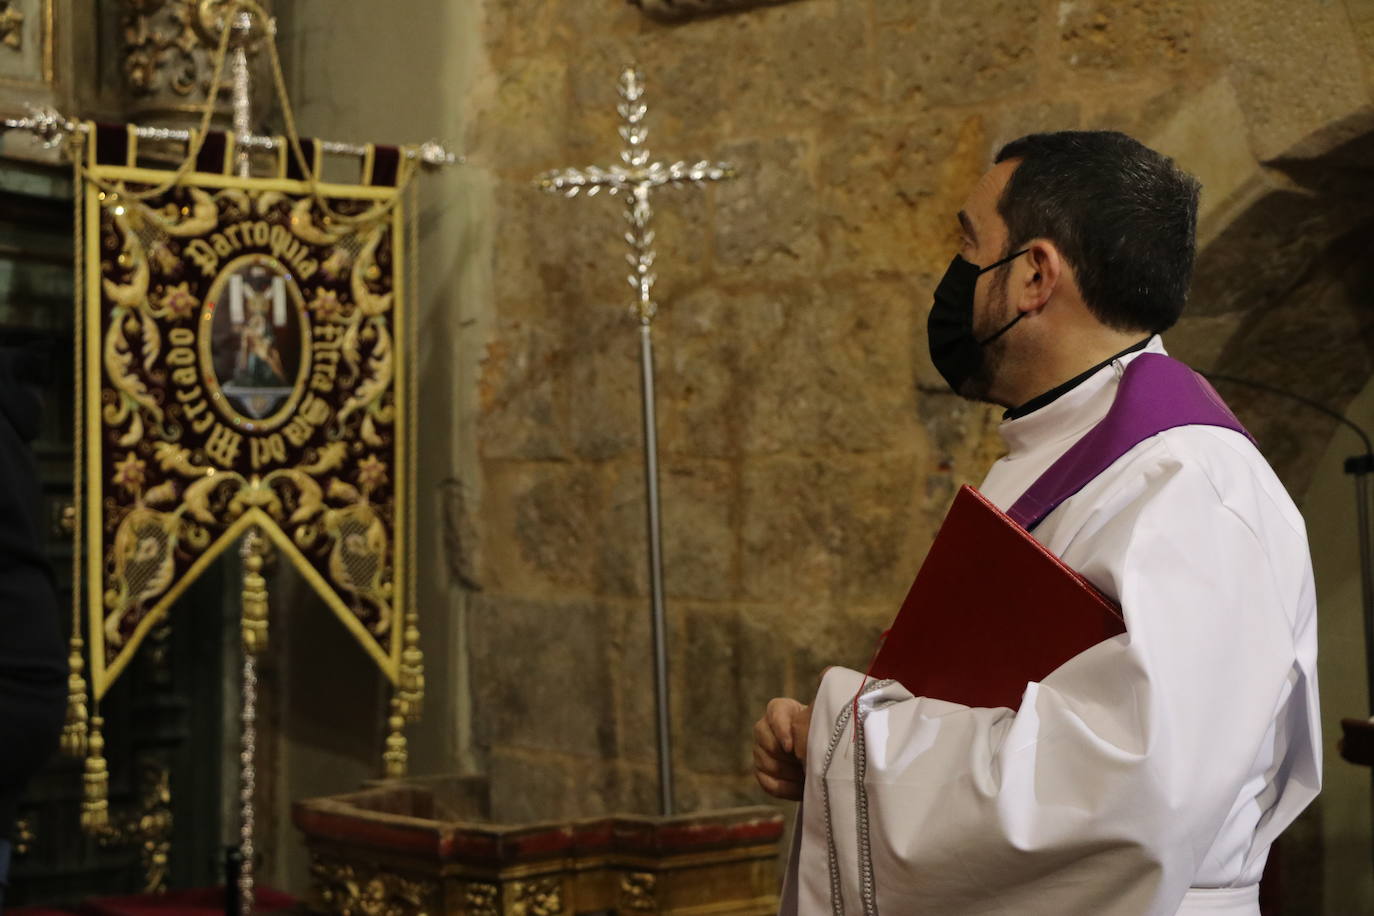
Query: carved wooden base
[[420, 848]]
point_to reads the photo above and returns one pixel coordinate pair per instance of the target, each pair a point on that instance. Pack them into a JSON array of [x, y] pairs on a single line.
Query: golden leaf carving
[[370, 304], [537, 897], [637, 892], [238, 200], [116, 413], [305, 228], [133, 293], [204, 216], [306, 535], [11, 27], [348, 347], [343, 492], [152, 340], [310, 498], [163, 494], [178, 458], [357, 890], [380, 366], [269, 199], [327, 459], [133, 393], [368, 432], [258, 495], [196, 499], [481, 899], [195, 536]]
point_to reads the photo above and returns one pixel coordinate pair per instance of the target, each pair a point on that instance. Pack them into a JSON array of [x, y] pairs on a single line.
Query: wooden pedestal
[[423, 846]]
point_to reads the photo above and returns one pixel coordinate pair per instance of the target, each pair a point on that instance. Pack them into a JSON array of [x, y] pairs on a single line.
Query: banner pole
[[252, 557]]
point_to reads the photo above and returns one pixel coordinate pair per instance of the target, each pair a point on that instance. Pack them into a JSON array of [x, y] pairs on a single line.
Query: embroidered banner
[[245, 353]]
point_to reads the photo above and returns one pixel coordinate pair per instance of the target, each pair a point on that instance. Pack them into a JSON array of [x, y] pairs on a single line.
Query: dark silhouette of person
[[33, 664]]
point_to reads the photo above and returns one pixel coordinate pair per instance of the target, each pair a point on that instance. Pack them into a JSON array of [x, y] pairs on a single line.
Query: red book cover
[[990, 611]]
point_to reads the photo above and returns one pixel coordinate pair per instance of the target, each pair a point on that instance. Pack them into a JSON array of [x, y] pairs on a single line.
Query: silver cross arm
[[636, 177], [613, 180]]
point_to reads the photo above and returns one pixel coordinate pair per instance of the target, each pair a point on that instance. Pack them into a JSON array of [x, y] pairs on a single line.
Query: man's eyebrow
[[968, 227]]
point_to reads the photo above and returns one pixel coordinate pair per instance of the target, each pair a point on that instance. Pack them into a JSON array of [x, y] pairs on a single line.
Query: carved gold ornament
[[167, 44], [350, 890], [637, 892], [479, 899], [23, 837], [11, 26], [540, 897]]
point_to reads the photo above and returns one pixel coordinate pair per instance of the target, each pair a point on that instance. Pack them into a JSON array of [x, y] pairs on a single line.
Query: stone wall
[[809, 449]]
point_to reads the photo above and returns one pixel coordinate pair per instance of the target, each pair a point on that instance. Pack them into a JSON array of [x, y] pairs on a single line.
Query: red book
[[990, 611]]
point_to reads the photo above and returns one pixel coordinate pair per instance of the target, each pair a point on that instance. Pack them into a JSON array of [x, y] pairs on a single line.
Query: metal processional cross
[[637, 178]]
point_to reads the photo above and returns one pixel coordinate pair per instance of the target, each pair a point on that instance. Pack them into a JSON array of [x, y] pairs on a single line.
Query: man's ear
[[1044, 271]]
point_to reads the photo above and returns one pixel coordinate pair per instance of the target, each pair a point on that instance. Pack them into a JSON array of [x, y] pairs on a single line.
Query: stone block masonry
[[809, 450]]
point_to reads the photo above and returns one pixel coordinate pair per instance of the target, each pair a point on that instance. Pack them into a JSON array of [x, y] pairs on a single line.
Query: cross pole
[[637, 177]]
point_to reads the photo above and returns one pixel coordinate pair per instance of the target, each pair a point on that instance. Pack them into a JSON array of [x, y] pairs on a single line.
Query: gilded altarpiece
[[246, 354], [26, 42]]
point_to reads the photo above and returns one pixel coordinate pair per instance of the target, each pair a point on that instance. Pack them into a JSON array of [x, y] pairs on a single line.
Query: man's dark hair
[[1123, 216]]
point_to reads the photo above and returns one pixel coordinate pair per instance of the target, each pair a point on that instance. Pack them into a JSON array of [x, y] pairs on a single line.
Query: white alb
[[1148, 775]]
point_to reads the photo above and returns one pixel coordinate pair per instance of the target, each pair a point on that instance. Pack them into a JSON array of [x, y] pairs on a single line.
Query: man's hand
[[780, 748]]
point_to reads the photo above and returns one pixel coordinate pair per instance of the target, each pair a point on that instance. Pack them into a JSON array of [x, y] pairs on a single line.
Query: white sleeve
[[1105, 791]]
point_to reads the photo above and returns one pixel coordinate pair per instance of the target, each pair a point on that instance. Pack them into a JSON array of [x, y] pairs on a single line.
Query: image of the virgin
[[251, 335]]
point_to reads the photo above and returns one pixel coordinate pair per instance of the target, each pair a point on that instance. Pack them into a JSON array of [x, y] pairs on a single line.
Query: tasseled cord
[[81, 737], [411, 692], [74, 730], [395, 758], [95, 806]]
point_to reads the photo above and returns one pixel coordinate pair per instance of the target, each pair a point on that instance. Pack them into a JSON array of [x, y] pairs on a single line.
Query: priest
[[1151, 773]]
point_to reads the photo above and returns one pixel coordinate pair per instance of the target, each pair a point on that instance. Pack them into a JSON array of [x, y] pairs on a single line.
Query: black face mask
[[954, 349]]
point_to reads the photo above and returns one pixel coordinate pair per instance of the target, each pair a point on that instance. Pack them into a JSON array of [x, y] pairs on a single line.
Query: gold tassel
[[254, 595], [95, 807], [395, 757], [74, 731], [411, 691]]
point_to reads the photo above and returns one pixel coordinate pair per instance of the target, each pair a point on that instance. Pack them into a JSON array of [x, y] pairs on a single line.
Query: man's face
[[983, 241]]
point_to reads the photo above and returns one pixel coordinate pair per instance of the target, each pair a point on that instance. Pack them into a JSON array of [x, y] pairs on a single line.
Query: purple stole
[[1156, 393]]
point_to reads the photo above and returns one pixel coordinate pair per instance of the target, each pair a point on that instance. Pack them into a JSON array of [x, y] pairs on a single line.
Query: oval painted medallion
[[254, 337]]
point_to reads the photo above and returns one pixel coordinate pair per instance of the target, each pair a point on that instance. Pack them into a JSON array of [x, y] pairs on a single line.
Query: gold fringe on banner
[[95, 807], [396, 758], [74, 731], [410, 692], [254, 598]]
